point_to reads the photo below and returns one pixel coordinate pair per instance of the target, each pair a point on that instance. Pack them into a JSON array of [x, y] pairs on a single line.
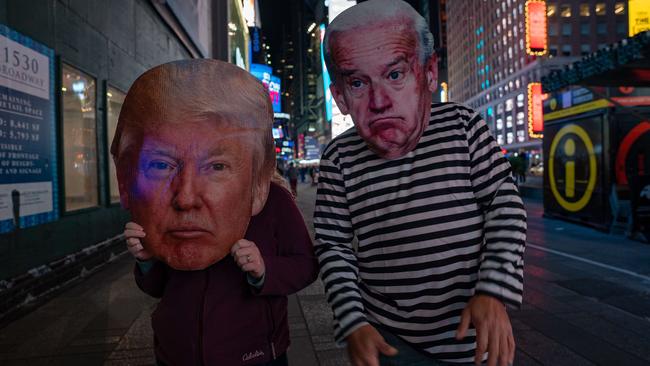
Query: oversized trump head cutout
[[194, 154]]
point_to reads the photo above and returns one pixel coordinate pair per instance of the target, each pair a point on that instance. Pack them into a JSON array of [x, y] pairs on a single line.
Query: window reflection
[[114, 101], [79, 139]]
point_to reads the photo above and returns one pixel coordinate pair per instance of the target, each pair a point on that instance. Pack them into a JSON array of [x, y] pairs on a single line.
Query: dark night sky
[[275, 15]]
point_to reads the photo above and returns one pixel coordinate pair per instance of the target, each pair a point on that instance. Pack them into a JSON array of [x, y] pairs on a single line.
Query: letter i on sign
[[570, 169]]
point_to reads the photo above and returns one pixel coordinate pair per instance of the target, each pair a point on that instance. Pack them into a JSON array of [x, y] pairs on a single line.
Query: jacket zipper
[[201, 313]]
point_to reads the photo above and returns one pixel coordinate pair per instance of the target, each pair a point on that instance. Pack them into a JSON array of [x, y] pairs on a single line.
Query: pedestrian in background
[[292, 174], [195, 166], [428, 196]]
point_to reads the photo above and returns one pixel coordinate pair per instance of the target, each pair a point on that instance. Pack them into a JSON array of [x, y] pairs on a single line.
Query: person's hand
[[133, 232], [248, 258], [493, 330], [365, 344]]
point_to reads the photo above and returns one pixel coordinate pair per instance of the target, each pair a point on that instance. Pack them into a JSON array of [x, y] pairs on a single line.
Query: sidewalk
[[105, 321], [586, 302]]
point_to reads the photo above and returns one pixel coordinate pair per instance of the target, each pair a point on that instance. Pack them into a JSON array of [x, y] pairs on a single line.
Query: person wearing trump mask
[[217, 239]]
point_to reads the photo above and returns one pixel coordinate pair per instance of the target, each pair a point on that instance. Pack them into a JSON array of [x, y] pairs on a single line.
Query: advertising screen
[[271, 83], [28, 165], [639, 16], [535, 27], [326, 77], [535, 110]]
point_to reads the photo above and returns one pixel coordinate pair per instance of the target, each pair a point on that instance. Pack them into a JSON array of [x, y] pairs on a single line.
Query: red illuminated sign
[[535, 110], [535, 27]]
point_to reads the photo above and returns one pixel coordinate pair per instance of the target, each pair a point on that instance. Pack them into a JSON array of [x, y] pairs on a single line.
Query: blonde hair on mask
[[196, 90]]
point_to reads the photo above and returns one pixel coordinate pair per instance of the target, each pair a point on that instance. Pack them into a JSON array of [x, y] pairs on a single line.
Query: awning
[[625, 63]]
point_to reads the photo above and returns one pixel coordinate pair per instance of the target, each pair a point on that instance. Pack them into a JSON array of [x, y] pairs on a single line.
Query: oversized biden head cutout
[[381, 56], [194, 154]]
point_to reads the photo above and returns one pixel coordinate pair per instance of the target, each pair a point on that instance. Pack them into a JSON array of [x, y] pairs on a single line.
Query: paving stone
[[333, 358], [137, 353], [577, 340], [547, 303], [318, 315], [144, 361], [597, 288], [546, 287], [541, 273], [301, 352], [611, 333], [315, 288], [522, 359], [545, 351], [638, 304]]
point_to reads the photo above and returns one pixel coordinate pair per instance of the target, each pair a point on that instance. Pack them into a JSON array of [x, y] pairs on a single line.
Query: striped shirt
[[405, 243]]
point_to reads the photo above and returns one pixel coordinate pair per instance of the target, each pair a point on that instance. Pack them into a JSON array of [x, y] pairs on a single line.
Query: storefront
[[62, 84], [596, 146]]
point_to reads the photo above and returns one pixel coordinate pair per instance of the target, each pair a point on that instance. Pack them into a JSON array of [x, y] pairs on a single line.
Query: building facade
[[491, 70], [66, 67]]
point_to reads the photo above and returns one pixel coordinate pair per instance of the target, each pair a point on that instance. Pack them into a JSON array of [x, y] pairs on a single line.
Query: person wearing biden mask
[[420, 230]]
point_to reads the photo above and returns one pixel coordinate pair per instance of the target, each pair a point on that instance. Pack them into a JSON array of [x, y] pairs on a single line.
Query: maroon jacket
[[214, 316]]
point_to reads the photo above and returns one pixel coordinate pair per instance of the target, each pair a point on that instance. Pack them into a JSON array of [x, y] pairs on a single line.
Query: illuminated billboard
[[535, 110], [639, 16], [271, 83], [535, 27], [326, 77], [340, 122]]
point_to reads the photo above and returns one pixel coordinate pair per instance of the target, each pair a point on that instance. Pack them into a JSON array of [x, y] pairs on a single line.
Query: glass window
[[585, 49], [509, 105], [565, 11], [566, 50], [499, 124], [584, 29], [79, 139], [552, 29], [601, 9], [520, 118], [509, 121], [601, 28], [619, 8], [509, 138], [500, 139], [114, 101], [521, 135], [520, 100], [552, 50], [584, 10], [551, 9], [621, 28], [566, 29]]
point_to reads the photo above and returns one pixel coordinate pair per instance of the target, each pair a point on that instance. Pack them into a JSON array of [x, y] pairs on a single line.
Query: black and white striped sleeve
[[502, 263], [336, 256]]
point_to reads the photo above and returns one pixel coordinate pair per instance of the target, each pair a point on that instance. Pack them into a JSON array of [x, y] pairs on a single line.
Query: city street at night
[[586, 302], [471, 181]]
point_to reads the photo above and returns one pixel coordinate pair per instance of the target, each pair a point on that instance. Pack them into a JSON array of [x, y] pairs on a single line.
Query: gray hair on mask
[[373, 12]]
